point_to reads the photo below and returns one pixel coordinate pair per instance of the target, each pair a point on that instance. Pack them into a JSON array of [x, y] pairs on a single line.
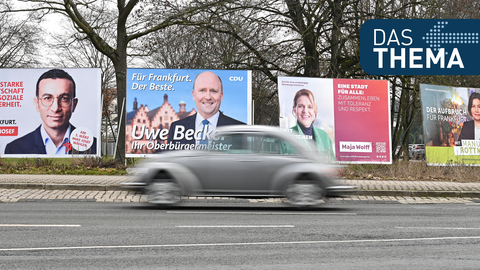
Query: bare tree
[[19, 40], [187, 47]]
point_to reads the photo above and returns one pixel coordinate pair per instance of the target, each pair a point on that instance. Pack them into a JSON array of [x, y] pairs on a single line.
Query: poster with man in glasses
[[50, 112]]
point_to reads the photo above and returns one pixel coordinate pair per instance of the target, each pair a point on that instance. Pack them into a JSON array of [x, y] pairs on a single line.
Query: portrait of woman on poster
[[305, 110], [471, 129]]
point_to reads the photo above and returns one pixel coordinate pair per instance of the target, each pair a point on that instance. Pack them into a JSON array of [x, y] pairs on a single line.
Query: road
[[86, 235]]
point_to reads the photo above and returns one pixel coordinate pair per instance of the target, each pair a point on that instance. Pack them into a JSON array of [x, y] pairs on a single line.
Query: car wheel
[[163, 193], [304, 193]]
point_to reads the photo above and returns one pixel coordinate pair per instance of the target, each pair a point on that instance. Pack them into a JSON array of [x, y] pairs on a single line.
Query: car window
[[252, 144], [233, 144], [270, 145]]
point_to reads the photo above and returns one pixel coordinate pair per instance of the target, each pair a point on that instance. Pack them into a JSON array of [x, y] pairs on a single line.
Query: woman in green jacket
[[305, 110]]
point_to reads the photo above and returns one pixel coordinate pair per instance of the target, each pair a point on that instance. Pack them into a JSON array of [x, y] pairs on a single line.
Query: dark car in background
[[242, 161]]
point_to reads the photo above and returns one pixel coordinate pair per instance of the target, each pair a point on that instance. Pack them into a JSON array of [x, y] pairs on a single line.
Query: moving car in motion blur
[[241, 161]]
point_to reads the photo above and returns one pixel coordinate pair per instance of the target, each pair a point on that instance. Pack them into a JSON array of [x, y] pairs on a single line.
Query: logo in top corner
[[235, 78], [420, 47]]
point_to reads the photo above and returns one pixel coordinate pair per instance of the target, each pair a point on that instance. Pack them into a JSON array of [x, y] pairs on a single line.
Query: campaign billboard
[[451, 124], [50, 112], [345, 120], [178, 109]]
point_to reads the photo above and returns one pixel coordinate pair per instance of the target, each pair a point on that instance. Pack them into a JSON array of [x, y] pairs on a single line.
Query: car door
[[247, 166], [274, 153], [232, 167]]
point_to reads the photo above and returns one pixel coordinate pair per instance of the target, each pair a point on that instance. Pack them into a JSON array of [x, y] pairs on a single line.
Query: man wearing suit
[[55, 101], [208, 95]]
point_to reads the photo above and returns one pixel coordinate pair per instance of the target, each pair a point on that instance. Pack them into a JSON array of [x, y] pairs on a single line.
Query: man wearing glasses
[[55, 101]]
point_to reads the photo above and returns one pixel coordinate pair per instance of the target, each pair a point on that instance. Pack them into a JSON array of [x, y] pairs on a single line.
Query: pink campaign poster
[[344, 120], [362, 121]]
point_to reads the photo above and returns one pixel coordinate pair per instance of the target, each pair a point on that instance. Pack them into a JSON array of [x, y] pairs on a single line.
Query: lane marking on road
[[236, 226], [37, 225], [438, 228], [251, 243], [258, 213]]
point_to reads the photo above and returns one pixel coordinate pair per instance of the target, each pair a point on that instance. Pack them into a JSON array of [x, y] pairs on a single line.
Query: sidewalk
[[364, 187]]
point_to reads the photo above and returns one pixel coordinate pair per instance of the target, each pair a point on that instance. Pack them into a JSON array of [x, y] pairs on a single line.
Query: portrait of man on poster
[[208, 95], [56, 101]]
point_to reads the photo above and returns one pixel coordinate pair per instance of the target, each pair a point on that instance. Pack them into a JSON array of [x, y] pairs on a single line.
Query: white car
[[417, 151]]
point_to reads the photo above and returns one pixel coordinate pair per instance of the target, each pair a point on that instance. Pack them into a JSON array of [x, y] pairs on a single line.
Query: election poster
[[451, 124], [344, 120], [50, 112], [179, 109]]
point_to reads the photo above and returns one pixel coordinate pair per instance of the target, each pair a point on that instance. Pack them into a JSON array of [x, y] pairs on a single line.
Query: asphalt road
[[87, 235]]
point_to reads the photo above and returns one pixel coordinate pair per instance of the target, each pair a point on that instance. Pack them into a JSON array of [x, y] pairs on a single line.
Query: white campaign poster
[[50, 112]]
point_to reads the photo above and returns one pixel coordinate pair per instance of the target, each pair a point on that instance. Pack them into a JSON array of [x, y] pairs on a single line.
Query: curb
[[418, 193], [47, 186], [115, 187]]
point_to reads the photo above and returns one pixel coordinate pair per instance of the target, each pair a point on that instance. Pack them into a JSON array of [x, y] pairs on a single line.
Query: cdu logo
[[235, 79], [420, 47]]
